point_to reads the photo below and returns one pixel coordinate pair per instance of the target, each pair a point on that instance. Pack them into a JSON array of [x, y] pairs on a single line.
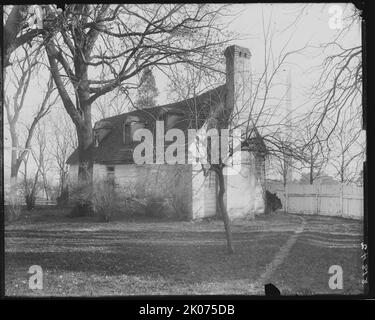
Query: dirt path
[[281, 255]]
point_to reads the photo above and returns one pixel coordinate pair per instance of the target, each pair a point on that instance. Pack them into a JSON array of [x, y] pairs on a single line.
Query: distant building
[[326, 179]]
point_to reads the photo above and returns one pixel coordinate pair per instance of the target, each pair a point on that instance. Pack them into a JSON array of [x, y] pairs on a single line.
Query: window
[[127, 133], [131, 125], [135, 125], [111, 175], [174, 119], [170, 118]]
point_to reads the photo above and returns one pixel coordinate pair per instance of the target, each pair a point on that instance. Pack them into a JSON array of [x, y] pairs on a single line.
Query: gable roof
[[112, 148]]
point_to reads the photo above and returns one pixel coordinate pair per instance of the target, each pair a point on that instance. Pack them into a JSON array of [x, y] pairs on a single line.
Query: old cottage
[[188, 191]]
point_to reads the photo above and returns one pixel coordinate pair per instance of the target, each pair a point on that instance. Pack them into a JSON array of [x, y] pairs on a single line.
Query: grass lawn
[[80, 256]]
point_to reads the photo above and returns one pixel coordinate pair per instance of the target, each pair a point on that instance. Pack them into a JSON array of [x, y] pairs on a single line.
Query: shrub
[[80, 198], [135, 206], [30, 201], [63, 198], [105, 200], [159, 207], [273, 202], [180, 207], [29, 189], [12, 211], [81, 210], [98, 198], [13, 200]]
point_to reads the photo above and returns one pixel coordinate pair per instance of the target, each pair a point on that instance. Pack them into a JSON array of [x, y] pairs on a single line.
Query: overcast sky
[[295, 24]]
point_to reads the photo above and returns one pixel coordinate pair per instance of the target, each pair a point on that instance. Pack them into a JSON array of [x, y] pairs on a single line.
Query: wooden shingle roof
[[193, 111]]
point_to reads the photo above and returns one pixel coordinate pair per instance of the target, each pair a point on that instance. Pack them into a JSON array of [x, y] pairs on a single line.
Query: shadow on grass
[[192, 257]]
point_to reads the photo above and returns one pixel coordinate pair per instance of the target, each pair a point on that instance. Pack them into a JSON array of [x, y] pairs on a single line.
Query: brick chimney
[[237, 103], [238, 83]]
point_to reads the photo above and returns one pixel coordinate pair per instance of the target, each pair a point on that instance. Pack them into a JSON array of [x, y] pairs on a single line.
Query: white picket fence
[[38, 202], [329, 200]]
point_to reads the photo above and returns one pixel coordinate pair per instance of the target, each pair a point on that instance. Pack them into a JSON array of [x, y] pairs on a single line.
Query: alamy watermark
[[224, 147], [36, 278], [336, 280]]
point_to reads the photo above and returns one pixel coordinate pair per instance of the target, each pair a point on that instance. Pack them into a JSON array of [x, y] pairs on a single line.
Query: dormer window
[[131, 125], [100, 131], [170, 118]]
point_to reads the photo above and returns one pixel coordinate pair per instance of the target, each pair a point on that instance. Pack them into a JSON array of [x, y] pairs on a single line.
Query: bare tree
[[43, 158], [254, 110], [112, 104], [62, 144], [30, 186], [339, 86], [42, 164], [281, 162], [23, 24], [186, 81], [348, 149], [15, 29], [14, 106], [98, 48], [21, 80], [314, 152]]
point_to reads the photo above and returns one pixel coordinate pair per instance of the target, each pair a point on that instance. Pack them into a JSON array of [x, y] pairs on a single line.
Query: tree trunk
[[14, 167], [223, 210], [84, 130], [15, 163], [31, 195], [62, 180], [80, 111], [84, 133], [45, 186], [11, 29]]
